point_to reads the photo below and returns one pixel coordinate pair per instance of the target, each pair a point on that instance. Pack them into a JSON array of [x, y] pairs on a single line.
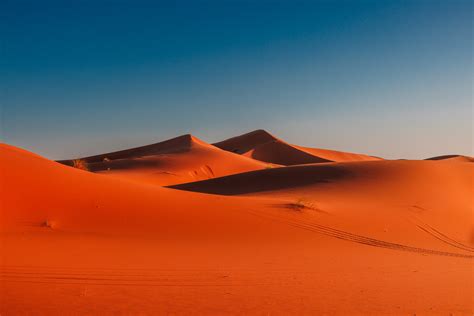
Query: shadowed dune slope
[[243, 143], [402, 173], [181, 159], [281, 153], [263, 146]]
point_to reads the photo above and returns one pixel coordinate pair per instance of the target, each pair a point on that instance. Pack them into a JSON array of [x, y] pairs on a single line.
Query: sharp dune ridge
[[248, 225], [177, 144], [263, 146], [182, 159], [245, 142]]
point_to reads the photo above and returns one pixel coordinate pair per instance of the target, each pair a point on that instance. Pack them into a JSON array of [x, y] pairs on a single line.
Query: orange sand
[[337, 238]]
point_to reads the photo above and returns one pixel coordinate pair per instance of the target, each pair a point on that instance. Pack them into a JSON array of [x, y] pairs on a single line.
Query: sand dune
[[42, 194], [261, 145], [182, 159], [453, 158], [379, 236], [381, 193]]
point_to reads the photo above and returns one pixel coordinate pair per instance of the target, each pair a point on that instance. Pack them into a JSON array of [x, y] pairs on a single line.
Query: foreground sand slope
[[182, 159], [42, 194], [75, 242], [263, 146]]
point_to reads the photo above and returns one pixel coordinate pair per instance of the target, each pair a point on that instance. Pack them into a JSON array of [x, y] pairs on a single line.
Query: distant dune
[[182, 159], [263, 146], [184, 227], [453, 158]]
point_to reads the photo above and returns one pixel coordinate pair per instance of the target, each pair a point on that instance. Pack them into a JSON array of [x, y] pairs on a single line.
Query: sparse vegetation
[[47, 224], [302, 204], [80, 164]]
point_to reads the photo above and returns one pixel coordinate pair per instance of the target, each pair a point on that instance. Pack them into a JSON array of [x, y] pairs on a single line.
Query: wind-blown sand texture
[[247, 226]]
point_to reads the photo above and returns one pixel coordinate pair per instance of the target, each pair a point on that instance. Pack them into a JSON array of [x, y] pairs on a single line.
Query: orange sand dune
[[48, 195], [389, 192], [391, 238], [453, 158], [261, 145], [181, 159]]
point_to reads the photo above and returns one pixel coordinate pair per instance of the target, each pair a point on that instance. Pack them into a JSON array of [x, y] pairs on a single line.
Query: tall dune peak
[[183, 140], [179, 143], [243, 143], [260, 133]]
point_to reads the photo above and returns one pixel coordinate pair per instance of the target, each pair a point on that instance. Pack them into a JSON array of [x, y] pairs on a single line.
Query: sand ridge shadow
[[268, 179]]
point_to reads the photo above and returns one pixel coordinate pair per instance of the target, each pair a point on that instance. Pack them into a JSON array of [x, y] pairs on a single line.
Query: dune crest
[[173, 145], [452, 158], [182, 159], [263, 146], [245, 142]]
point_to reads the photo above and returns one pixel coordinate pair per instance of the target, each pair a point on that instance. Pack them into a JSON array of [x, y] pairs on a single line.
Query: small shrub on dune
[[48, 224], [298, 205], [302, 204], [80, 164]]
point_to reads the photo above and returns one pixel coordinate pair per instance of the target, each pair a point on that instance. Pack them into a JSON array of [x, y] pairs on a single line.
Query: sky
[[386, 78]]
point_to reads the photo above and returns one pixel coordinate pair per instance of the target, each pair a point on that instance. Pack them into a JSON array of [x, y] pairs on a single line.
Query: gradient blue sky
[[388, 78]]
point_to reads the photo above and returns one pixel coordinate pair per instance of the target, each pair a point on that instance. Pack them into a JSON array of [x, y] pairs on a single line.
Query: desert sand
[[251, 225]]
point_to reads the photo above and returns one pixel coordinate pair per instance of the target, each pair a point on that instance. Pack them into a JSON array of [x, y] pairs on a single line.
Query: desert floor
[[251, 225]]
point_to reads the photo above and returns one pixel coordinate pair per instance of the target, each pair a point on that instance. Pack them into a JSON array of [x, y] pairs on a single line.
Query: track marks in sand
[[442, 237], [360, 239], [137, 277]]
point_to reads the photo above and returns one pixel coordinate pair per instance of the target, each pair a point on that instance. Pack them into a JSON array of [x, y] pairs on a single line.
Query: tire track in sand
[[347, 236], [441, 236]]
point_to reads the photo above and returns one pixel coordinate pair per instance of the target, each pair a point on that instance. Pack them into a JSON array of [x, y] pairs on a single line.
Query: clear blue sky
[[388, 78]]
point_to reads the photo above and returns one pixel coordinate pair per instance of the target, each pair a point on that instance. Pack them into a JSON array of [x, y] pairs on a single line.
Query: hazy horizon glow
[[386, 78]]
